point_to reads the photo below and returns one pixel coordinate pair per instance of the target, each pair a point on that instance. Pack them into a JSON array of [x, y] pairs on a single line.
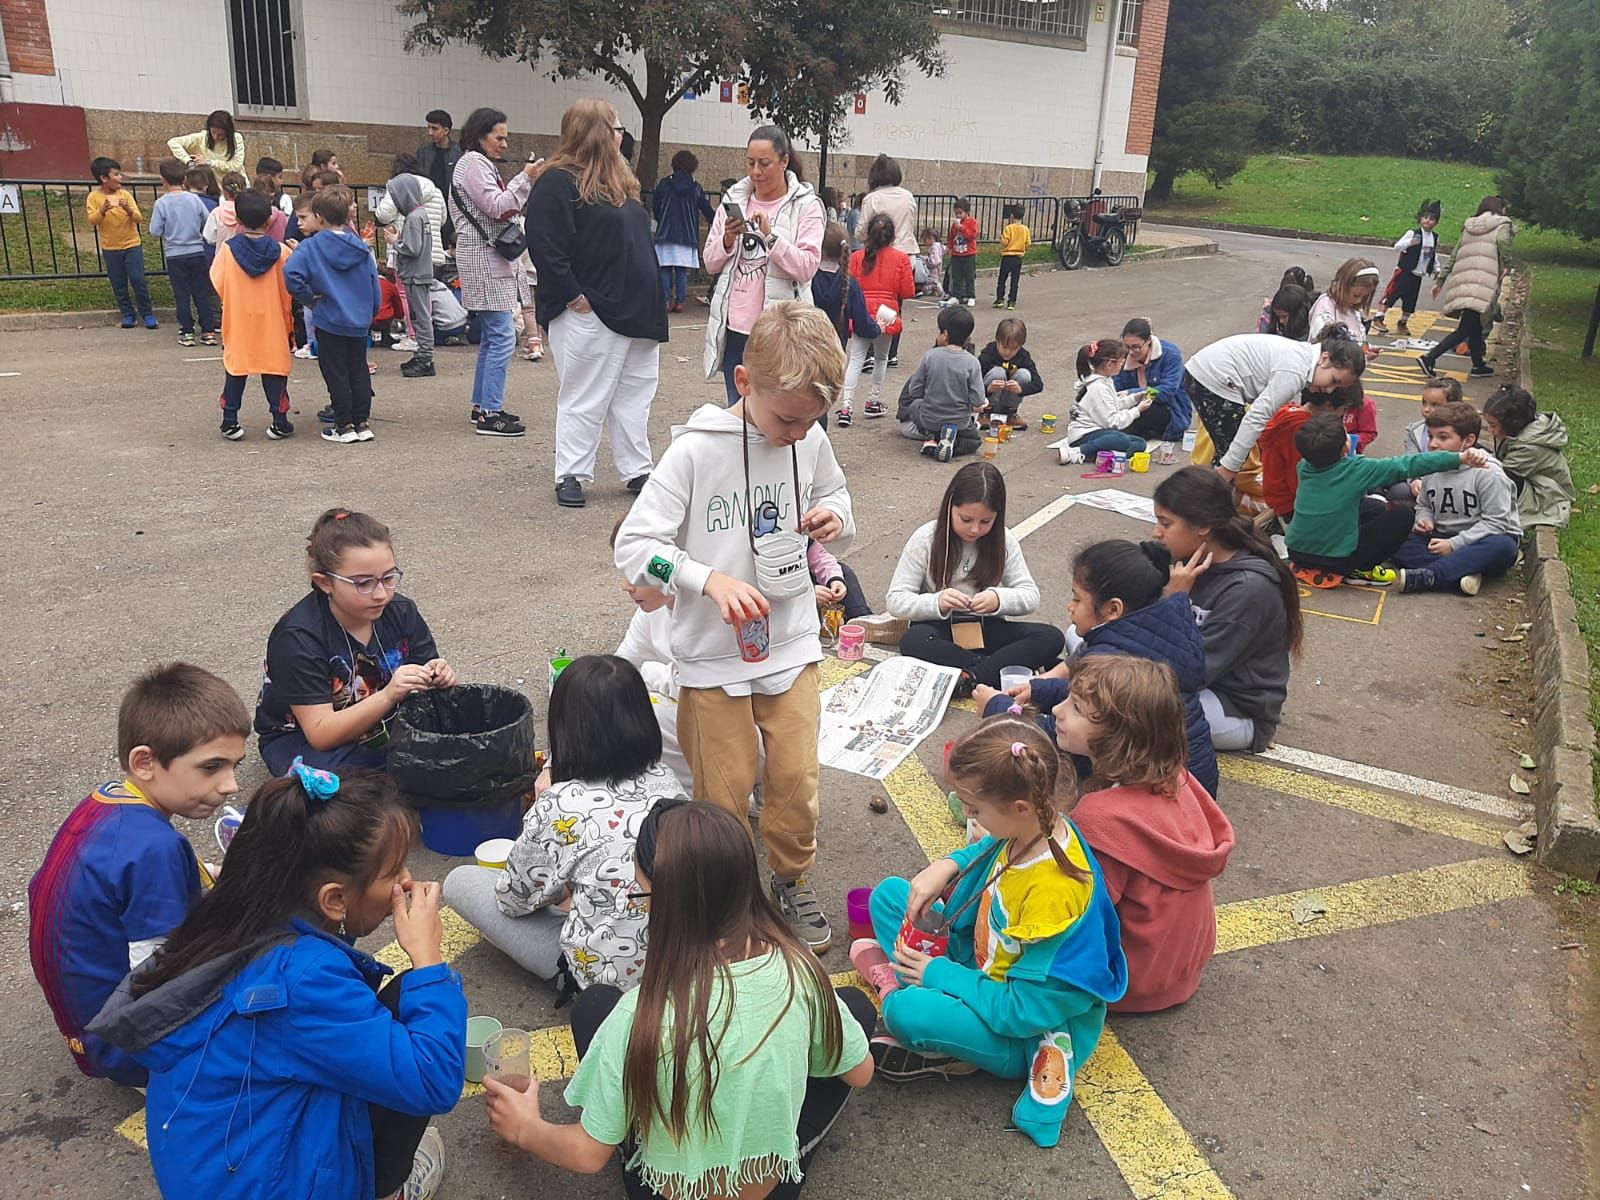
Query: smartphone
[[730, 210]]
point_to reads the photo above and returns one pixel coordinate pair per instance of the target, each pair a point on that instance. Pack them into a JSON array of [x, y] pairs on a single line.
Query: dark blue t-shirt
[[312, 660]]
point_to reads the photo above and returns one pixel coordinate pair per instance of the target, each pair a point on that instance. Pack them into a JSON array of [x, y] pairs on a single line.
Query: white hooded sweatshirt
[[692, 518]]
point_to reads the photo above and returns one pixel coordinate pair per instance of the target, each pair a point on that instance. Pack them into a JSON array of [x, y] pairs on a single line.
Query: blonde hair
[[1143, 740], [588, 152], [1007, 759], [1342, 289], [795, 348]]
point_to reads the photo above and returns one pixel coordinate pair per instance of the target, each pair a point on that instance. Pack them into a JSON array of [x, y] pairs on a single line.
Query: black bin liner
[[468, 745]]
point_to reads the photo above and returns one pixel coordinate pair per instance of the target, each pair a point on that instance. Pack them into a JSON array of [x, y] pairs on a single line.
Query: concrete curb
[[1303, 235], [1564, 738], [1196, 250], [26, 322]]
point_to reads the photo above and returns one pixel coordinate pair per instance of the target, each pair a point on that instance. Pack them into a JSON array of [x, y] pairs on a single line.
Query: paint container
[[991, 446], [928, 934], [1119, 462], [852, 642], [508, 1058], [1189, 438], [1139, 463], [858, 910], [1004, 431], [755, 639], [1104, 460], [1047, 422], [494, 853], [480, 1032], [558, 664], [832, 621]]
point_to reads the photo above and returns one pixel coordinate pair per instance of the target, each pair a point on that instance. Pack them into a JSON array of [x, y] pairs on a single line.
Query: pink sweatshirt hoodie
[[1159, 855]]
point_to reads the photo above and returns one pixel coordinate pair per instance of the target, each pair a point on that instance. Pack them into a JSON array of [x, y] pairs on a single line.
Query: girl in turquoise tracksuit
[[278, 1070], [1035, 949]]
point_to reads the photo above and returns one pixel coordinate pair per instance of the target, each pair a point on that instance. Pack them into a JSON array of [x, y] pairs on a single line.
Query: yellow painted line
[[1396, 395], [1366, 903], [133, 1129], [923, 807], [1445, 822], [1377, 613], [1157, 1157]]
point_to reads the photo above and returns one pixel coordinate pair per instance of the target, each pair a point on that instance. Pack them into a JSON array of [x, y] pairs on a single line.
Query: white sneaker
[[405, 345], [303, 352], [340, 433], [1070, 455], [1469, 584], [972, 302], [1281, 545], [427, 1167]]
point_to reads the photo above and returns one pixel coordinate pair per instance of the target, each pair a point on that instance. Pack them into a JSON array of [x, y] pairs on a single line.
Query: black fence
[[45, 234]]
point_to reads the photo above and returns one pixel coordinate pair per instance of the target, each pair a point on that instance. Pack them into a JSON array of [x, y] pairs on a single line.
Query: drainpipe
[[8, 91], [1113, 23]]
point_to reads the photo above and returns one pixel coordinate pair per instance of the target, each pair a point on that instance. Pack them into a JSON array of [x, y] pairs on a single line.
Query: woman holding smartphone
[[764, 246]]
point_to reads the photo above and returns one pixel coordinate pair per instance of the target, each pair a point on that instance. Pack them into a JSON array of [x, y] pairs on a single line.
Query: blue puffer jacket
[[1165, 374], [677, 204], [1166, 632]]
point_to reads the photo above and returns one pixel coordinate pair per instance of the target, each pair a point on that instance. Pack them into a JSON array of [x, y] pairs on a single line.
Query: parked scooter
[[1106, 236]]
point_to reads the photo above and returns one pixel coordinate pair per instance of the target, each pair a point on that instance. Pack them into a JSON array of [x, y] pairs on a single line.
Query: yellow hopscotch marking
[[1377, 613], [1448, 823], [1365, 903], [1157, 1157]]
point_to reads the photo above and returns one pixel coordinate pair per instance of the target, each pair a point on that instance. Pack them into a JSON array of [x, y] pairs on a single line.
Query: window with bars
[[1129, 12], [1058, 18], [267, 72]]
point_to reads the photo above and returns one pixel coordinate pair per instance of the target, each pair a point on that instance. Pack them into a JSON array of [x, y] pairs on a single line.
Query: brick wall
[[1147, 76], [27, 29]]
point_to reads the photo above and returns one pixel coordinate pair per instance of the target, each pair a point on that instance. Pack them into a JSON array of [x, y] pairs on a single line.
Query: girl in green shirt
[[720, 1074]]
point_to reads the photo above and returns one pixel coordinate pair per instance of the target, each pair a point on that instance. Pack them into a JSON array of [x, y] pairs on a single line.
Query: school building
[[1041, 97]]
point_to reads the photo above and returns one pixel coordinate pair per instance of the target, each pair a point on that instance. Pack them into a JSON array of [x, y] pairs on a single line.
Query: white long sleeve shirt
[[914, 594]]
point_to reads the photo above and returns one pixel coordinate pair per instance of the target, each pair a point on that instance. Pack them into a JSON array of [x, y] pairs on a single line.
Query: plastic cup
[[1139, 463], [755, 639], [991, 447], [493, 853], [885, 315], [480, 1032], [858, 909], [926, 935], [508, 1058], [1011, 677], [852, 642]]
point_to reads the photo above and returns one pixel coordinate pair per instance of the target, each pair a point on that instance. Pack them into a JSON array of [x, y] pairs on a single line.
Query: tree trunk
[[1594, 326], [822, 157], [1161, 187], [652, 110]]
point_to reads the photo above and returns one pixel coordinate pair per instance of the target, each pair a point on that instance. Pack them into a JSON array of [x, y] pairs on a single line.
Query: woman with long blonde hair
[[599, 297]]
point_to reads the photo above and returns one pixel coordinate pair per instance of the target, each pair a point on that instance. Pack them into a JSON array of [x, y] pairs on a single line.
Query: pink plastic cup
[[852, 642], [858, 907]]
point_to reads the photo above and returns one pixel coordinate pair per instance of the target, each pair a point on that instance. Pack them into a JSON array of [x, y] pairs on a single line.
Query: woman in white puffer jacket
[[1469, 285]]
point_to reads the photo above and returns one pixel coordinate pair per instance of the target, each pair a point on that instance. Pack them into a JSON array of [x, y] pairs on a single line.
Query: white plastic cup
[[886, 315], [1011, 677]]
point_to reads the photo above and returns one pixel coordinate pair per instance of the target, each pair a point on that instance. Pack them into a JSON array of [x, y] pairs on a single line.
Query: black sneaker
[[232, 432], [344, 434], [801, 908], [875, 409], [1419, 579], [1428, 369], [325, 415], [945, 447], [500, 424], [894, 360], [477, 414], [870, 363], [964, 686], [897, 1063], [280, 429], [569, 492], [412, 369], [1481, 372], [845, 417], [636, 484]]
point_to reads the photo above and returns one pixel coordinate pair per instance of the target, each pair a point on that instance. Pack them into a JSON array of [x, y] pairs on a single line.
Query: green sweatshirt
[[1328, 504]]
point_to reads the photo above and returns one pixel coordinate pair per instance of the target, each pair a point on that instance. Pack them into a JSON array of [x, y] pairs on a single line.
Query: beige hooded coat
[[1472, 279]]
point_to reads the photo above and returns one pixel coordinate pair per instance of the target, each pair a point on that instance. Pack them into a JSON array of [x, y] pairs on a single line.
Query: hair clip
[[1016, 749], [1015, 710], [340, 516], [320, 786]]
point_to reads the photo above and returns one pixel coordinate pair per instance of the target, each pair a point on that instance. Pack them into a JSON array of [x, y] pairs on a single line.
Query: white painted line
[[218, 358], [1044, 516], [1397, 781], [9, 374]]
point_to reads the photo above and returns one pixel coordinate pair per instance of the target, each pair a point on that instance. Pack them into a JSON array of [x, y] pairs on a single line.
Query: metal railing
[[1041, 214]]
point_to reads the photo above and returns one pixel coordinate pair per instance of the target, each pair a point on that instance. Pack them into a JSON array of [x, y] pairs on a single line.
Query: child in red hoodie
[[1159, 836], [1280, 461]]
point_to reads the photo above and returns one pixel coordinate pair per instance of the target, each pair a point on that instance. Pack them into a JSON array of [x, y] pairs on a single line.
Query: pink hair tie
[[1016, 711], [1016, 749]]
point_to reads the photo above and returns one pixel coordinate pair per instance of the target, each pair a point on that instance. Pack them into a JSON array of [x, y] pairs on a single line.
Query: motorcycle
[[1109, 239]]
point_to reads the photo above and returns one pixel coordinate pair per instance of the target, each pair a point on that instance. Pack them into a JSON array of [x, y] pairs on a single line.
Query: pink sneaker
[[869, 959]]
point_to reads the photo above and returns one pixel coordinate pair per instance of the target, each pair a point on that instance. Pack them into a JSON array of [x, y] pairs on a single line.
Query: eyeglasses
[[367, 584]]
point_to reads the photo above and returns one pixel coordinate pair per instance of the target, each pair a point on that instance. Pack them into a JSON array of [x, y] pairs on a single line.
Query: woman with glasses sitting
[[341, 660]]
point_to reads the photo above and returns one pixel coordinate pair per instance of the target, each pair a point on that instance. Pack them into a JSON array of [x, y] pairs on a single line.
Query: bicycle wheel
[[1116, 247], [1070, 249]]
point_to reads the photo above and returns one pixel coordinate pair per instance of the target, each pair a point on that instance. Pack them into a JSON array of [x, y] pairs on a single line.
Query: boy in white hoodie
[[1467, 524], [760, 475]]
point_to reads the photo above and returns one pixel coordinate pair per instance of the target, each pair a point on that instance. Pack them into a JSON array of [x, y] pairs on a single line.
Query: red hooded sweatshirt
[[1159, 855]]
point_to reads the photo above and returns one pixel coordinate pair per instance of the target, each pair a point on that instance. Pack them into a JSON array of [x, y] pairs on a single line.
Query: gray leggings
[[533, 942]]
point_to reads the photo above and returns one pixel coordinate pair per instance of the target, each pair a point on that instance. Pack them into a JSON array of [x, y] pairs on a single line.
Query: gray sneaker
[[427, 1167], [803, 911]]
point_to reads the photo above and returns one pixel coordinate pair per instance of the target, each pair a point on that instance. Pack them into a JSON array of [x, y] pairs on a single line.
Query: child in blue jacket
[[277, 1067], [1033, 950], [1118, 608], [1154, 362], [837, 293]]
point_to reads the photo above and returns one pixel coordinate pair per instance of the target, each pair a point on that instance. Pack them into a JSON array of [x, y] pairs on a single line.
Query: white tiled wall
[[1001, 102]]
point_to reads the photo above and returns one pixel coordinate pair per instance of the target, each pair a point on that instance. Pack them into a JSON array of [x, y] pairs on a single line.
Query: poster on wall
[[726, 93], [861, 104]]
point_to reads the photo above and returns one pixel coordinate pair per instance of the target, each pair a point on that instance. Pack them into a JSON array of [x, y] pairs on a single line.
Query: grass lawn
[[1379, 196]]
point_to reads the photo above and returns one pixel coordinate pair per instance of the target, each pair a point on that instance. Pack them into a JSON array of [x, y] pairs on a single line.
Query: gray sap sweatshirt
[[1470, 503], [946, 386]]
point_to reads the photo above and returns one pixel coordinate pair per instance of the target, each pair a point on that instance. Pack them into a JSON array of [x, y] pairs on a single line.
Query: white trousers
[[858, 359], [604, 376]]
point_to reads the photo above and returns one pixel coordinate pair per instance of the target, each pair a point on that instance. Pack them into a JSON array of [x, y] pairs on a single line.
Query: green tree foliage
[[1432, 78], [1201, 125], [1551, 155], [655, 50]]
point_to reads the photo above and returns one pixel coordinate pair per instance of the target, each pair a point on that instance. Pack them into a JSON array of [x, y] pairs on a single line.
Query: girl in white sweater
[[1104, 418], [959, 580]]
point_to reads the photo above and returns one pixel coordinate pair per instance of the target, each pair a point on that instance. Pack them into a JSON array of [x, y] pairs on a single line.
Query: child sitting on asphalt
[[1466, 523], [1159, 838], [1280, 461], [118, 878], [939, 402], [1104, 418], [1009, 372], [1531, 445], [1338, 529], [257, 317], [1436, 393]]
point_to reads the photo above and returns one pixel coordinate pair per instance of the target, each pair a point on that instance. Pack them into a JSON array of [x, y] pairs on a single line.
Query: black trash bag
[[463, 746]]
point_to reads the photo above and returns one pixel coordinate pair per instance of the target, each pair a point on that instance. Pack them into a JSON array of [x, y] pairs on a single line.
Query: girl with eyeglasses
[[342, 659]]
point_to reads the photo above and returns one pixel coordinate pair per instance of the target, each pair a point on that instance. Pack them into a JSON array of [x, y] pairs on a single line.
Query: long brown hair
[[1144, 739], [1007, 759], [706, 901], [975, 483], [588, 152], [1341, 290]]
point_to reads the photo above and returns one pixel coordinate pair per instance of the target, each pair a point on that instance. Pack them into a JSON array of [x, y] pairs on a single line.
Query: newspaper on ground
[[1140, 508], [872, 721]]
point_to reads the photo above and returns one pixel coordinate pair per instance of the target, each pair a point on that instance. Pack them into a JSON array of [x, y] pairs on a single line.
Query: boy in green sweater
[[1338, 529]]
